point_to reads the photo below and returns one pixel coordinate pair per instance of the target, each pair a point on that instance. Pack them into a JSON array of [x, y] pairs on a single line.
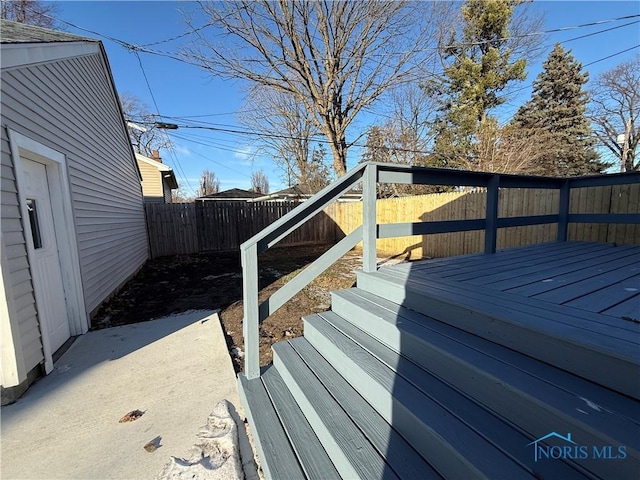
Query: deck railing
[[369, 175]]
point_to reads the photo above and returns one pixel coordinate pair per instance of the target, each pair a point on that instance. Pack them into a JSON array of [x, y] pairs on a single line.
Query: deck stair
[[410, 378]]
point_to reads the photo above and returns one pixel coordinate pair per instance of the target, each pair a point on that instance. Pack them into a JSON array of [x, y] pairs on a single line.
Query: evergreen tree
[[479, 68], [555, 118]]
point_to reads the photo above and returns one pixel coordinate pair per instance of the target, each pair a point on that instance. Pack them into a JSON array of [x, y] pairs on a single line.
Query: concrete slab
[[175, 370]]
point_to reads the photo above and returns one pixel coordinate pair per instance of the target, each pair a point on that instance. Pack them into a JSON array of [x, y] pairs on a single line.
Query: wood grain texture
[[311, 455], [277, 458], [399, 454], [453, 448], [351, 452]]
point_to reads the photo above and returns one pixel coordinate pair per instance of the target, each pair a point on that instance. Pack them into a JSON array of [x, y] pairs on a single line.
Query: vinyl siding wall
[[151, 182], [69, 106]]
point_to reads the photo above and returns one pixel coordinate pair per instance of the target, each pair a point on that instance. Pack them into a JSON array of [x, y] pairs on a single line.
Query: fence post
[[491, 225], [369, 223], [251, 321], [563, 211]]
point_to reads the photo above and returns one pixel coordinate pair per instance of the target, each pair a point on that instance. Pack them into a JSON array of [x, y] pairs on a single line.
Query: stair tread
[[350, 450], [313, 459], [451, 439], [566, 392], [399, 454], [277, 458], [566, 341]]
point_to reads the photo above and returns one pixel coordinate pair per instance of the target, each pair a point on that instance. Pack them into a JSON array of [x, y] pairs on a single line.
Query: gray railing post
[[491, 225], [563, 211], [251, 322], [369, 222]]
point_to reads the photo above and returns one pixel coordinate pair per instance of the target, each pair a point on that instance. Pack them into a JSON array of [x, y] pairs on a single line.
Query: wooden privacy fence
[[512, 202], [185, 228]]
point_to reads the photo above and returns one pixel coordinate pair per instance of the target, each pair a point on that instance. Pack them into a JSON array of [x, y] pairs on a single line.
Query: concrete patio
[[175, 370]]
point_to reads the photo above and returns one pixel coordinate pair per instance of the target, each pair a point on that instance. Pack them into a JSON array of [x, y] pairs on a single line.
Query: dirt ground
[[214, 281]]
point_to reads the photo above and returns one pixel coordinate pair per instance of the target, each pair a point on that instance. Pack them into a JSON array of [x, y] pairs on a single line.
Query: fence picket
[[176, 229]]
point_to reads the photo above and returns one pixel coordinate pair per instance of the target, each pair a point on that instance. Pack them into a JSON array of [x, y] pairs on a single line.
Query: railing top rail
[[422, 175], [624, 178], [306, 209], [450, 176]]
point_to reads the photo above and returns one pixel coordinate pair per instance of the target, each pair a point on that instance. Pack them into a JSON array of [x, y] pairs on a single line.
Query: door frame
[[64, 226]]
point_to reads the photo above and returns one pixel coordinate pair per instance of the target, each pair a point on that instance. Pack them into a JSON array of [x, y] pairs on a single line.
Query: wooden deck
[[595, 277], [450, 368], [584, 296]]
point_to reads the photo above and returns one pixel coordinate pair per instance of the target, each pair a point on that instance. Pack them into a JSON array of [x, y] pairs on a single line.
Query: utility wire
[[155, 103], [144, 47]]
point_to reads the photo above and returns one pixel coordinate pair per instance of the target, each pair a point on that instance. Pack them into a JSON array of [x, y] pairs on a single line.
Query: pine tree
[[555, 118], [479, 68]]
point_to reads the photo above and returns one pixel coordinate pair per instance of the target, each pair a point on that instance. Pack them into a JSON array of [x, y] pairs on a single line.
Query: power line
[[144, 47], [155, 103], [209, 159]]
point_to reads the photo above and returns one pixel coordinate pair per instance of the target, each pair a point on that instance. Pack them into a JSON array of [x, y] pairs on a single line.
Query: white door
[[45, 261]]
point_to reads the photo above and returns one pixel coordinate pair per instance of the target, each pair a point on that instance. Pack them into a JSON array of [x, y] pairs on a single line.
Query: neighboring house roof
[[233, 194], [168, 174], [303, 192], [15, 32]]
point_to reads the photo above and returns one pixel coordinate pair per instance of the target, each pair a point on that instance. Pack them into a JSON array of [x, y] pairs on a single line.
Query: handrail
[[249, 251], [372, 173]]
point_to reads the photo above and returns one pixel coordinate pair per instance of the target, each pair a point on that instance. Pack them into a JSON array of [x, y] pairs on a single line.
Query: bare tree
[[615, 111], [181, 196], [334, 58], [504, 150], [144, 135], [259, 182], [33, 12], [285, 130], [209, 183]]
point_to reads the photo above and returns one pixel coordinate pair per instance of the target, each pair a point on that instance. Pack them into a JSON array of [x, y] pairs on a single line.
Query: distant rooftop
[[14, 32], [232, 194]]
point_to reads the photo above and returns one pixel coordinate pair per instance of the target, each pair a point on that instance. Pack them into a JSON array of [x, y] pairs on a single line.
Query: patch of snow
[[237, 353], [630, 289], [547, 280], [215, 456]]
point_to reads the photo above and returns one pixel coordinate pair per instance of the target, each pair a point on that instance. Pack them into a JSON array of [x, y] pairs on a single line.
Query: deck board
[[277, 455], [591, 282], [608, 297], [352, 453], [398, 453], [628, 310], [584, 321], [510, 281], [514, 264]]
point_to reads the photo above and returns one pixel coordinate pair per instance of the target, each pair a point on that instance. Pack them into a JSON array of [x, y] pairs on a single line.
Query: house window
[[35, 225]]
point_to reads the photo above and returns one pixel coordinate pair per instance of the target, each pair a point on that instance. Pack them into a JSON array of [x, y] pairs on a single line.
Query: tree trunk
[[339, 150]]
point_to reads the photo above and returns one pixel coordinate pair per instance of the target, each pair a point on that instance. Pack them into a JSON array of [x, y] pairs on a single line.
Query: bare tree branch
[[334, 58], [259, 182], [615, 111]]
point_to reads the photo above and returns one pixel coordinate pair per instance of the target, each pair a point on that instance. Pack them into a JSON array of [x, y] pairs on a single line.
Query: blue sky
[[181, 90]]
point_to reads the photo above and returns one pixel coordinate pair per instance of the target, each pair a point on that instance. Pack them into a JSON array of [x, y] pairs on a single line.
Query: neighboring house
[[232, 195], [73, 223], [300, 193], [158, 179]]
